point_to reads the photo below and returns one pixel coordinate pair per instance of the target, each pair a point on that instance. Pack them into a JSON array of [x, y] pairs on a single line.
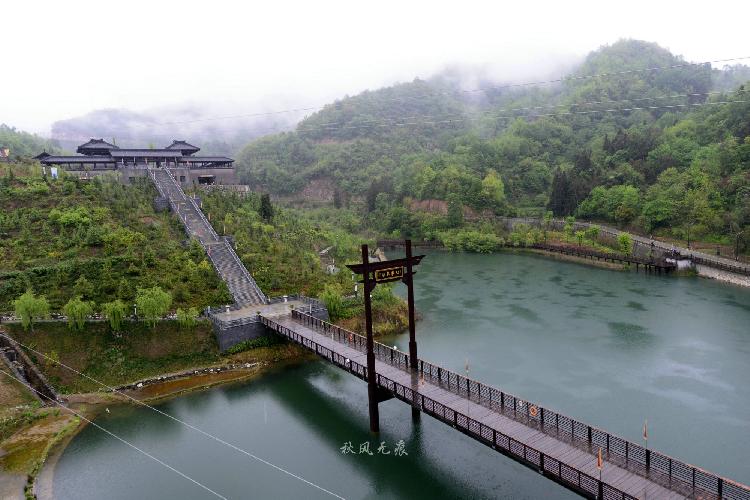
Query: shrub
[[471, 241]]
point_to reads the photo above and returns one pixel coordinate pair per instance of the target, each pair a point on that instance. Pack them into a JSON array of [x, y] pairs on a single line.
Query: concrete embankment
[[720, 275]]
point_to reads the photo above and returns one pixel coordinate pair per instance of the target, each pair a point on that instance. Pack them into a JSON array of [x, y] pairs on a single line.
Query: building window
[[182, 178], [131, 179]]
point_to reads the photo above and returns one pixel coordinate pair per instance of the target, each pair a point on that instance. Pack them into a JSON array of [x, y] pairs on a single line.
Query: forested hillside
[[663, 150], [98, 240], [23, 144]]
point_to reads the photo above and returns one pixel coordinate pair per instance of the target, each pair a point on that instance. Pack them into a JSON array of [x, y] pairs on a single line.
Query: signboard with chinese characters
[[389, 274]]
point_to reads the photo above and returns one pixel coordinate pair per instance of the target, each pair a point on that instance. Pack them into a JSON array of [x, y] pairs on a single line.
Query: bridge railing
[[658, 466], [570, 249], [720, 265], [352, 339], [551, 467]]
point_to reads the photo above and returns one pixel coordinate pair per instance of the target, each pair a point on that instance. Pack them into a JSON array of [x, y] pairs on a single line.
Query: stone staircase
[[241, 284]]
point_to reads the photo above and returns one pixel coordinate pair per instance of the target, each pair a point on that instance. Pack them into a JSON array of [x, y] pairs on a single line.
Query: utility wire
[[161, 462], [468, 91], [456, 118], [461, 119], [546, 106], [186, 424]]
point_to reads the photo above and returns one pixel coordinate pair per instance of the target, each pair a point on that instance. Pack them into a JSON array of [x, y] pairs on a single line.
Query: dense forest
[[664, 151]]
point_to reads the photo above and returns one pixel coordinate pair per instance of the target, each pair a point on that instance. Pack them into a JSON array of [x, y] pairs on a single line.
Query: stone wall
[[31, 374], [228, 337]]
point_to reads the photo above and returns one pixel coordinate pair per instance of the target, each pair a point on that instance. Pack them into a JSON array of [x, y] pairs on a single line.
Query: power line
[[461, 119], [107, 431], [485, 89], [456, 118], [466, 91], [215, 438], [548, 106]]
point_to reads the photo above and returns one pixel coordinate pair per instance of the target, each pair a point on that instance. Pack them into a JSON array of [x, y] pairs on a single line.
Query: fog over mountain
[[236, 58], [214, 128], [223, 128]]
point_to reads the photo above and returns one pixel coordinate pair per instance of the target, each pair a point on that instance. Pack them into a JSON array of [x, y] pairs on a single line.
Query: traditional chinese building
[[98, 156]]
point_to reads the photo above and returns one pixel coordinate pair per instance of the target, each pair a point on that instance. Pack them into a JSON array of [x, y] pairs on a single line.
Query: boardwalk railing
[[720, 265], [657, 466], [657, 262], [352, 339], [420, 244], [584, 252], [638, 240], [550, 467]]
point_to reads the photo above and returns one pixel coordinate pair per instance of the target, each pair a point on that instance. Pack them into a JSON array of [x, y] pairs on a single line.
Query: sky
[[64, 59]]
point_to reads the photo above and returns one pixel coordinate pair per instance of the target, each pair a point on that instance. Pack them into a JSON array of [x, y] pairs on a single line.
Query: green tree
[[153, 304], [187, 319], [77, 310], [625, 243], [546, 223], [115, 312], [569, 227], [83, 288], [29, 307], [455, 210], [493, 190], [266, 209], [592, 233], [580, 235], [334, 302]]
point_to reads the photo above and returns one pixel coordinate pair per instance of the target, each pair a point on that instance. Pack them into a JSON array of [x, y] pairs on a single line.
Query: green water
[[610, 348]]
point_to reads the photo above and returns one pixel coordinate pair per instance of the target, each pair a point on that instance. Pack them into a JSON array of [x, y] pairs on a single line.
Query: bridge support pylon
[[413, 359], [385, 272], [372, 386]]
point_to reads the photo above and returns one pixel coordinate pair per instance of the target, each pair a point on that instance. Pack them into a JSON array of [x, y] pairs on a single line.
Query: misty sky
[[65, 58]]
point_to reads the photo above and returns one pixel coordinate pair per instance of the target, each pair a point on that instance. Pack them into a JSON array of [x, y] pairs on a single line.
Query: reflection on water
[[297, 418], [606, 347]]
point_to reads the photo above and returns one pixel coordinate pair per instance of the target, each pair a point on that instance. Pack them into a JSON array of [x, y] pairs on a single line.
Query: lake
[[610, 348]]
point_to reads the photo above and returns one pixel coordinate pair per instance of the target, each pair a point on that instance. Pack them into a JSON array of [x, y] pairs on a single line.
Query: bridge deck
[[567, 454]]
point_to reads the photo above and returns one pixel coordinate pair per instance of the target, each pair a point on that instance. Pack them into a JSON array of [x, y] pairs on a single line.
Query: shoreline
[[163, 387], [155, 389], [567, 258], [701, 271]]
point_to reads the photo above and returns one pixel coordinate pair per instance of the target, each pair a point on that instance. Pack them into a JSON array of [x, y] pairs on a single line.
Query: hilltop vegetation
[[23, 144], [99, 240], [281, 251], [664, 151]]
